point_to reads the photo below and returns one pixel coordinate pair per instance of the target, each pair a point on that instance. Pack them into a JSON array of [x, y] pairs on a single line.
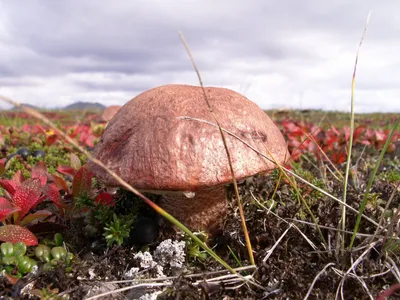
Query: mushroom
[[165, 141], [109, 112]]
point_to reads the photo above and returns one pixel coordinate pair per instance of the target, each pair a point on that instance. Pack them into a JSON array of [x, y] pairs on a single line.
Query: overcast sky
[[280, 54]]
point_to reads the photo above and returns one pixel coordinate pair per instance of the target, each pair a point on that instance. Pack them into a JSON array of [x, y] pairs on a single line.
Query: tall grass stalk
[[283, 168], [371, 180], [346, 177], [234, 181]]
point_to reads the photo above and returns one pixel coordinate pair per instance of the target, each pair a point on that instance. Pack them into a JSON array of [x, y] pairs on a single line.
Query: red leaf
[[358, 131], [52, 191], [2, 168], [66, 170], [27, 196], [15, 233], [380, 135], [346, 133], [334, 130], [39, 171], [11, 185], [6, 208], [388, 292], [18, 177], [37, 128], [8, 185], [37, 215], [60, 182], [11, 279], [82, 182], [89, 141], [74, 132], [51, 139], [292, 128], [105, 198], [339, 157]]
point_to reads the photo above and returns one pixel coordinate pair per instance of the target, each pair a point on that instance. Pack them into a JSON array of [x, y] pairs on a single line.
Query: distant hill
[[28, 105], [84, 105]]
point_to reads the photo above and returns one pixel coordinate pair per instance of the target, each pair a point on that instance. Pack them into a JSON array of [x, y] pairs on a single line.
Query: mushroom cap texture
[[109, 112], [151, 146]]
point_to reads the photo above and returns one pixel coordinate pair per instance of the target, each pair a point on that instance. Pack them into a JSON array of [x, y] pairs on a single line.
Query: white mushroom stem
[[206, 211]]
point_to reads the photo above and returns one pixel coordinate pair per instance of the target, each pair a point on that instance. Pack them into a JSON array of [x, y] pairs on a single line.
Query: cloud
[[287, 54]]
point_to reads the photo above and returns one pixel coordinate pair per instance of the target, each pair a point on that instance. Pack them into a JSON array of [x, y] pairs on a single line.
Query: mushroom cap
[[109, 112], [153, 147]]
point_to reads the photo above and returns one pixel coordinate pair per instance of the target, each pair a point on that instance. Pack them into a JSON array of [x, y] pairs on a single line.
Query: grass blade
[[346, 178], [371, 180]]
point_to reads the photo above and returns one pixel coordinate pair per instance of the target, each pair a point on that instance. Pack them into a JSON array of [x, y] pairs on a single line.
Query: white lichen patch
[[170, 254], [150, 296], [132, 272], [145, 260]]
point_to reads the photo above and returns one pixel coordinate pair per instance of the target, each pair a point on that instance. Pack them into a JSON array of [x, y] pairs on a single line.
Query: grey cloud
[[139, 39]]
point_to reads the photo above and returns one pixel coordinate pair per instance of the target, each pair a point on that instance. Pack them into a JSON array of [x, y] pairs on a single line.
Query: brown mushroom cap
[[151, 146], [109, 112]]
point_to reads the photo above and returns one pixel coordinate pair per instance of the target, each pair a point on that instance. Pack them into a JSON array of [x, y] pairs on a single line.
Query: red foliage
[[26, 196], [6, 209], [333, 141], [105, 199], [389, 292], [16, 233], [82, 182], [23, 195]]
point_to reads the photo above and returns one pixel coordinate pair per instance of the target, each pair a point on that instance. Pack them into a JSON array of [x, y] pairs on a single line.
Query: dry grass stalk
[[242, 217]]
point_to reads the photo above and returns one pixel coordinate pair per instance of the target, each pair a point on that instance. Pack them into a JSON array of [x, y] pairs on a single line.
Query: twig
[[395, 270], [352, 269], [205, 274], [270, 251], [153, 283], [316, 278]]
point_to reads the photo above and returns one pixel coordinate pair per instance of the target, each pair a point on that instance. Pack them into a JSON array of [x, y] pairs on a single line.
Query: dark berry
[[144, 231], [38, 154], [24, 152]]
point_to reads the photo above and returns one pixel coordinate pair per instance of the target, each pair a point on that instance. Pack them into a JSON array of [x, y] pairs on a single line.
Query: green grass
[[338, 119]]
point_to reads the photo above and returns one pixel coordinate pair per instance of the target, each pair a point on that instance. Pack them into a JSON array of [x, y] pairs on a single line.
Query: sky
[[280, 54]]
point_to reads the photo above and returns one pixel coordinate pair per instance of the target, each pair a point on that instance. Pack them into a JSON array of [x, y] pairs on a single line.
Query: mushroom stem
[[206, 211]]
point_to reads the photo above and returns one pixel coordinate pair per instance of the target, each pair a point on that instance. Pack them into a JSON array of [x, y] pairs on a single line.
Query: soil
[[291, 257], [287, 261]]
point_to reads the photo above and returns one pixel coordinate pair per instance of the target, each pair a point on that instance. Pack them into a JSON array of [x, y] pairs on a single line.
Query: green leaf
[[58, 253], [19, 249], [58, 239], [42, 252], [25, 264], [7, 249]]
